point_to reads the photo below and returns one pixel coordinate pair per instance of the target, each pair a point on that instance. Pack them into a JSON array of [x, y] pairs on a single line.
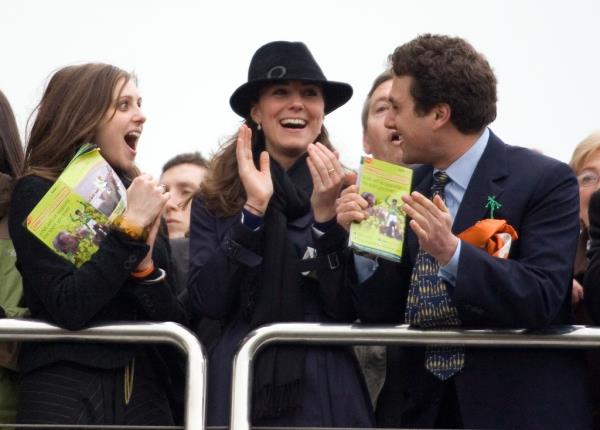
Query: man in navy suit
[[443, 97]]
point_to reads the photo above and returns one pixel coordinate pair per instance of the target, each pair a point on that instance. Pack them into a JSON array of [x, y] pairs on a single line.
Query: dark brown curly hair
[[448, 70]]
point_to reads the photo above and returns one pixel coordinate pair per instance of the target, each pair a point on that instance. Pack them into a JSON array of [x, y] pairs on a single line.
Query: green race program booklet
[[73, 216], [382, 185]]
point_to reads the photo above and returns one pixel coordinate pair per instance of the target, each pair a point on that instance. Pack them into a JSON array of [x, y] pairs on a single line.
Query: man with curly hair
[[443, 98]]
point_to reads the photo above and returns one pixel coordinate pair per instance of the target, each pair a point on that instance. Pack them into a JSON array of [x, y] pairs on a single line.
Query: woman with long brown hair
[[125, 280], [265, 246]]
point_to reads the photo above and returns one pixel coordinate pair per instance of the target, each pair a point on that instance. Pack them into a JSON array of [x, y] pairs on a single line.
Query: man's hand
[[432, 223], [350, 207], [576, 293]]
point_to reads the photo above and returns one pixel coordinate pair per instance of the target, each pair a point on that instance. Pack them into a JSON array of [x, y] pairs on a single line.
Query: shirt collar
[[462, 169]]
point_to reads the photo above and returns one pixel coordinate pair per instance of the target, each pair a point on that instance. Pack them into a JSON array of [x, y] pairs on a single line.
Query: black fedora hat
[[286, 61]]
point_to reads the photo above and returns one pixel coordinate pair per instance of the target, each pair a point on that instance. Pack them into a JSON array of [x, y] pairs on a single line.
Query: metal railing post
[[165, 332], [313, 333]]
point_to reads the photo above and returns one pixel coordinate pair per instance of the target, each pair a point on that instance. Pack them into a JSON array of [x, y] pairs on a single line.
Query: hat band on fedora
[[276, 72]]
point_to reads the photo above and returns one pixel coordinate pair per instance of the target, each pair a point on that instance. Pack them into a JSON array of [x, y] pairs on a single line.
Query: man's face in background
[[379, 141], [183, 181]]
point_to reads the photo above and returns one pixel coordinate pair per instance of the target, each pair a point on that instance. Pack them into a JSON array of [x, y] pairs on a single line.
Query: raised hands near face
[[328, 176], [432, 223], [146, 199], [351, 207], [257, 182]]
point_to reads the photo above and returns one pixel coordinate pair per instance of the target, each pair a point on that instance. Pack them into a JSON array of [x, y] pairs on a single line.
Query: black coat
[[101, 291], [221, 250]]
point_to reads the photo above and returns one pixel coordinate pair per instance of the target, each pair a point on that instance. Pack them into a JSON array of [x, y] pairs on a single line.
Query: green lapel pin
[[493, 205]]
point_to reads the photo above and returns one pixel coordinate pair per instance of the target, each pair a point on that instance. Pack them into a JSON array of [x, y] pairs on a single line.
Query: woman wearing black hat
[[265, 246]]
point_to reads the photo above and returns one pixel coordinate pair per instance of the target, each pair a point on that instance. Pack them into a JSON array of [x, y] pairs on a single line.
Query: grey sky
[[191, 55]]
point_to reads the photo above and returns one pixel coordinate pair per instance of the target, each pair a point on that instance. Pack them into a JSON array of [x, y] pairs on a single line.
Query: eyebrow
[[302, 83], [381, 99], [185, 183], [130, 97]]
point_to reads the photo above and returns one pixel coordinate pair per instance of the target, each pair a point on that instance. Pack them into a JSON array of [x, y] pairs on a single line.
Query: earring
[[259, 127]]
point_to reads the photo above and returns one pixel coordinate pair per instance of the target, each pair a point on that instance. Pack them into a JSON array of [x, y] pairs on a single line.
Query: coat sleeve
[[221, 249], [72, 296], [381, 298], [335, 293], [159, 302], [532, 287]]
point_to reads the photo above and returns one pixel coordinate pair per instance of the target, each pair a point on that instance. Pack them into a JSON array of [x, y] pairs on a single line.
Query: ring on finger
[[165, 187], [331, 171]]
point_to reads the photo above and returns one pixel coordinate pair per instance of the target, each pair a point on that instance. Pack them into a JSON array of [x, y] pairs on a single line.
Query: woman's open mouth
[[131, 139], [293, 123]]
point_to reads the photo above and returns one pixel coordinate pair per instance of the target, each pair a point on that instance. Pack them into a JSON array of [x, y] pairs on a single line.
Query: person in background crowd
[[265, 246], [125, 280], [585, 162], [443, 97], [383, 144], [11, 290], [182, 175], [380, 142]]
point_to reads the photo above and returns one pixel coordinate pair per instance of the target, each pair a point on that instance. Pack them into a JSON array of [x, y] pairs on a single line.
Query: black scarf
[[274, 294]]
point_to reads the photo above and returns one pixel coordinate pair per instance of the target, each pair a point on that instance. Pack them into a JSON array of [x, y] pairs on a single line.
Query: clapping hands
[[256, 182]]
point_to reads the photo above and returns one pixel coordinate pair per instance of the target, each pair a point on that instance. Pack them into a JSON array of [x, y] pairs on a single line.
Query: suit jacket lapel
[[484, 182], [422, 183]]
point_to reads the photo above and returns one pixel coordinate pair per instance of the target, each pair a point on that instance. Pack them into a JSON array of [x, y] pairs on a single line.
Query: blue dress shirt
[[460, 173]]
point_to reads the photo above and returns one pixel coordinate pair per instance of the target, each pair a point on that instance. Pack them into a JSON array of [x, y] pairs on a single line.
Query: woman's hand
[[351, 207], [257, 182], [328, 177], [146, 199], [147, 261]]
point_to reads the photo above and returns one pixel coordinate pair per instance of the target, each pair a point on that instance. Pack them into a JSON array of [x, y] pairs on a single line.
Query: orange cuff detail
[[144, 272]]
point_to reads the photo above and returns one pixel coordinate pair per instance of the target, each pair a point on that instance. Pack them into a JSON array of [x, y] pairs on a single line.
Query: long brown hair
[[221, 189], [11, 153], [72, 107], [11, 150]]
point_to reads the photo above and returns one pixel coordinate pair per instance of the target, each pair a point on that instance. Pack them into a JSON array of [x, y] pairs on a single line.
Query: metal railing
[[166, 332], [336, 334]]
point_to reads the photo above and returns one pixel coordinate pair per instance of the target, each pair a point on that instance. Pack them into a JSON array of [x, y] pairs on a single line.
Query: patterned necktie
[[429, 304]]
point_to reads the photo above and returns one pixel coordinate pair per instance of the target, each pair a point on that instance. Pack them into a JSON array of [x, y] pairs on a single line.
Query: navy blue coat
[[221, 248], [498, 388]]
